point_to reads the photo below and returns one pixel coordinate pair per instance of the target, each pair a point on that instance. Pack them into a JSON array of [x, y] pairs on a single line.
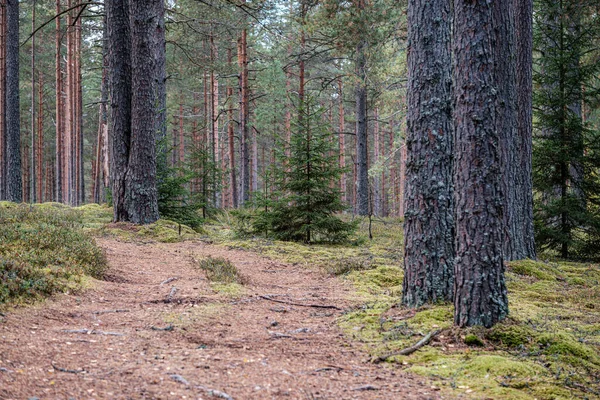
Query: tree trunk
[[141, 196], [33, 106], [244, 118], [524, 243], [3, 165], [59, 168], [230, 136], [119, 43], [376, 177], [362, 149], [40, 139], [428, 202], [480, 296], [342, 143], [13, 123], [159, 47]]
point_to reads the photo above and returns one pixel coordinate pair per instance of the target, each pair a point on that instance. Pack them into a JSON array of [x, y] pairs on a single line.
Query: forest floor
[[156, 328]]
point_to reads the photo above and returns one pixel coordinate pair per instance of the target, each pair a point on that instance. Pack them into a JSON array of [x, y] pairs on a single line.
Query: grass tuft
[[220, 270]]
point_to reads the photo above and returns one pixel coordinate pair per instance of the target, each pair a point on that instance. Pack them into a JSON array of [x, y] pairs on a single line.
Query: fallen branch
[[110, 311], [92, 332], [168, 328], [168, 280], [411, 349], [70, 371], [2, 369], [298, 304], [179, 378], [366, 387]]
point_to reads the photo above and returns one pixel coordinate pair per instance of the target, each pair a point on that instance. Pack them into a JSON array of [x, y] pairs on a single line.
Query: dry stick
[[92, 332], [70, 371], [168, 280], [110, 311], [171, 294], [298, 304], [411, 349]]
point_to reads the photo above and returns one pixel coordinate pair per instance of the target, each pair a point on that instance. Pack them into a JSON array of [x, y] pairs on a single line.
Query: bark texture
[[362, 148], [428, 215], [14, 185], [524, 242], [141, 198], [480, 296]]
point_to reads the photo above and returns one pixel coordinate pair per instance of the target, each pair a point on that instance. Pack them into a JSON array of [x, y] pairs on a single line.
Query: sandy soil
[[135, 336]]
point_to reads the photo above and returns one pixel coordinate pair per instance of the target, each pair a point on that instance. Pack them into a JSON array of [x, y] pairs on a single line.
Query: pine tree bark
[[428, 201], [524, 243], [14, 184], [59, 156], [33, 106], [342, 142], [362, 148], [3, 165], [141, 197], [480, 296], [231, 139], [161, 85], [244, 118]]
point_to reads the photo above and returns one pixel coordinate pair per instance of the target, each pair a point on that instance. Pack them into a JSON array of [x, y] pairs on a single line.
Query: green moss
[[565, 345], [473, 340], [535, 269], [511, 336], [234, 290], [163, 231]]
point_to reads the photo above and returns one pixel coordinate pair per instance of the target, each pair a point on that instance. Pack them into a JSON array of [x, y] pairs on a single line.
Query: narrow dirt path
[[135, 337]]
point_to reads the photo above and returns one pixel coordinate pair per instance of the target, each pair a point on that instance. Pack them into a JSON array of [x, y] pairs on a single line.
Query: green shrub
[[43, 250], [220, 270]]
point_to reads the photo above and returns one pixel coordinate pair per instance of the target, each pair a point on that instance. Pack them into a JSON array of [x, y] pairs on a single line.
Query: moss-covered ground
[[549, 347]]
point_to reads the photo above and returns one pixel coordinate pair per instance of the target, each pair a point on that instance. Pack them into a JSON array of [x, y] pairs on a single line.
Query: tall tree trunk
[[119, 43], [376, 177], [244, 118], [40, 139], [159, 47], [480, 296], [524, 243], [362, 147], [3, 166], [13, 122], [141, 197], [230, 136], [33, 106], [428, 202], [342, 143], [59, 118]]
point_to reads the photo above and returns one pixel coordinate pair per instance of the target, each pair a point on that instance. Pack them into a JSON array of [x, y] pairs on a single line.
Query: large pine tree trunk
[[14, 184], [480, 296], [231, 141], [159, 47], [119, 39], [33, 106], [59, 156], [428, 201], [342, 143], [244, 119], [141, 197]]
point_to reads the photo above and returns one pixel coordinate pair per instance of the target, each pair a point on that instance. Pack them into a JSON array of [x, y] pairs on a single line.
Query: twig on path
[[411, 349], [179, 378], [215, 393], [169, 280], [171, 294], [2, 369], [110, 311], [70, 371], [168, 328], [298, 304], [366, 387], [92, 332]]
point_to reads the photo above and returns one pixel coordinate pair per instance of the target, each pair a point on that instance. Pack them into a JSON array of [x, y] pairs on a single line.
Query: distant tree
[[566, 150], [428, 216], [480, 296]]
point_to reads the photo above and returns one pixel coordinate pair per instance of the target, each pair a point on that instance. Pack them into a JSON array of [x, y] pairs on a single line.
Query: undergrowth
[[44, 250], [223, 275], [549, 348]]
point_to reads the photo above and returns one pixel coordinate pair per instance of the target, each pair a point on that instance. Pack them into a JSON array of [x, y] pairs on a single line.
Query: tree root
[[408, 350], [92, 332]]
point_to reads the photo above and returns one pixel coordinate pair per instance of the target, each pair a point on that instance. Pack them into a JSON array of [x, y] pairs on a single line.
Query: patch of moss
[[564, 345], [234, 290], [535, 269], [163, 231], [510, 336], [473, 340]]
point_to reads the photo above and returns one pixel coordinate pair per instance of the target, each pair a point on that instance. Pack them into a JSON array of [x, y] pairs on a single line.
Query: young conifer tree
[[305, 207]]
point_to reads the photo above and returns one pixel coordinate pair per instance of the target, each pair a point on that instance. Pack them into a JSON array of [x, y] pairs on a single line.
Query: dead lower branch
[[299, 304]]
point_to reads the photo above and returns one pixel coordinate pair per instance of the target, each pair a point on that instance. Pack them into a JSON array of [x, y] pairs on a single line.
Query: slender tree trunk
[[480, 296], [181, 131], [524, 245], [428, 212], [3, 166], [59, 171], [376, 179], [342, 143], [231, 139], [13, 122], [244, 118], [40, 139], [362, 148], [33, 106], [159, 47]]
